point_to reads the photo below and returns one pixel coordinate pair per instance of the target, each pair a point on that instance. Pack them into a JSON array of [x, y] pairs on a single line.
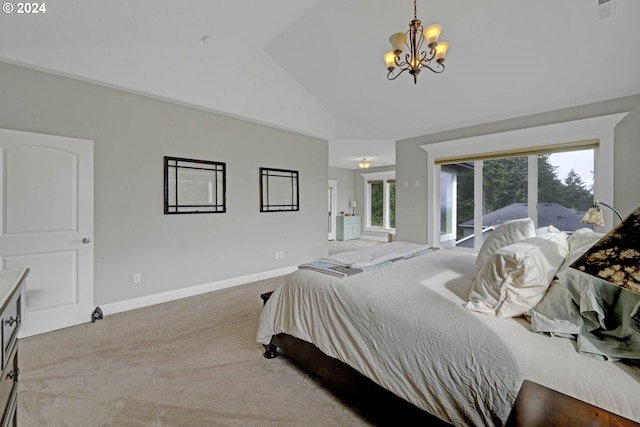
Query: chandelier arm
[[431, 53], [407, 59], [438, 70], [396, 76], [425, 59], [398, 62]]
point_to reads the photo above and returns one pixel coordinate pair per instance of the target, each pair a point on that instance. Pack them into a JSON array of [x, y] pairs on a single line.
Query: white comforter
[[375, 255], [405, 328]]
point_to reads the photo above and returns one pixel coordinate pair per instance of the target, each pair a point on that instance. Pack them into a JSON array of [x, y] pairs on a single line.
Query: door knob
[[86, 240]]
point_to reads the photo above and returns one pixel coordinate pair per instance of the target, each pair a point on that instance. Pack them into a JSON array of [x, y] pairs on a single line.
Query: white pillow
[[581, 238], [546, 230], [504, 235], [517, 276]]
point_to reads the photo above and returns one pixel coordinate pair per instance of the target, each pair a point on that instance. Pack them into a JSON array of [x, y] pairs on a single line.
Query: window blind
[[529, 151]]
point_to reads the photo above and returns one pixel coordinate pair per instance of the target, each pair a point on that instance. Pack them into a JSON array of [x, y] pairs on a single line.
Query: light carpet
[[190, 362]]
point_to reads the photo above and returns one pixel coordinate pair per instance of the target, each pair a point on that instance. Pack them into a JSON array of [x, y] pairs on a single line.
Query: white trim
[[532, 188], [376, 238], [132, 304], [379, 175], [333, 185], [601, 128], [478, 188], [454, 206], [379, 230], [557, 133]]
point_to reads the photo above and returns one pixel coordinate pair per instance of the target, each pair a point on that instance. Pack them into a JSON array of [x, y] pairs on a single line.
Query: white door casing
[[333, 206], [47, 225]]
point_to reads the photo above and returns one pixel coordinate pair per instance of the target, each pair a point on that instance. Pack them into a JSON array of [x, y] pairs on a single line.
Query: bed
[[408, 323]]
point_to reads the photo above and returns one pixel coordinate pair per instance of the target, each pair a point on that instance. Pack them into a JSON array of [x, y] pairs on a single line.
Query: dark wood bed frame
[[336, 373], [372, 401], [535, 406]]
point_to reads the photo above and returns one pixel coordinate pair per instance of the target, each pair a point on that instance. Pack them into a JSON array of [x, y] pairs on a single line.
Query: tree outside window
[[380, 199], [377, 203], [561, 201]]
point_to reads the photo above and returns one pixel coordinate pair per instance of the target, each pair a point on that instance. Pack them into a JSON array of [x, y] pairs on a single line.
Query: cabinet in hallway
[[348, 227]]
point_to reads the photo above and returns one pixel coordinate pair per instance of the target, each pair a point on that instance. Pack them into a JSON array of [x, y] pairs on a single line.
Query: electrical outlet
[[281, 254], [137, 277], [277, 255]]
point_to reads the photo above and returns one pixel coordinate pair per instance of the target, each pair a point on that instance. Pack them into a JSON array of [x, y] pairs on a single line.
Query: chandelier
[[416, 59]]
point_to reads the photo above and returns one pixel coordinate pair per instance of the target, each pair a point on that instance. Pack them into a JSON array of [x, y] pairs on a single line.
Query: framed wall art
[[194, 186], [279, 190]]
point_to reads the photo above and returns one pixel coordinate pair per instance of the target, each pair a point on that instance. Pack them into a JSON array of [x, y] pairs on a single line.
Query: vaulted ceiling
[[315, 66]]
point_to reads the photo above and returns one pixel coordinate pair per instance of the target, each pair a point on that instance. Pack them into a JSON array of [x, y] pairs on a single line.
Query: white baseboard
[[120, 306], [374, 238]]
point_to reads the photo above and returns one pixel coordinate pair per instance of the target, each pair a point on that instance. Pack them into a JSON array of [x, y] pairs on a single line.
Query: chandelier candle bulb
[[397, 40], [441, 51], [432, 33], [390, 60]]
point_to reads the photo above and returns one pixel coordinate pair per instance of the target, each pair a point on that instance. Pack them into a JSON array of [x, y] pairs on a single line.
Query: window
[[557, 185], [593, 136], [380, 200]]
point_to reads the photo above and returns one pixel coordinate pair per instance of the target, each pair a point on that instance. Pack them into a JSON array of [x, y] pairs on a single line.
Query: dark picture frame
[[279, 190], [193, 186]]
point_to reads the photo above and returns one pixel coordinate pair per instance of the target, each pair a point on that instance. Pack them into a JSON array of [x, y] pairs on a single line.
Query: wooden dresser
[[11, 285]]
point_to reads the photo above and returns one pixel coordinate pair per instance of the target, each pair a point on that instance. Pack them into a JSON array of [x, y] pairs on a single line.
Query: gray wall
[[411, 160], [345, 188], [131, 134]]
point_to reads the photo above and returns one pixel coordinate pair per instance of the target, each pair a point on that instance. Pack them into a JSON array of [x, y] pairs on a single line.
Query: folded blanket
[[374, 258], [377, 254], [330, 268]]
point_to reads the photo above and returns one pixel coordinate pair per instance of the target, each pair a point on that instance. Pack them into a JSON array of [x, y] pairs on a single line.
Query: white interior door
[[47, 225]]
